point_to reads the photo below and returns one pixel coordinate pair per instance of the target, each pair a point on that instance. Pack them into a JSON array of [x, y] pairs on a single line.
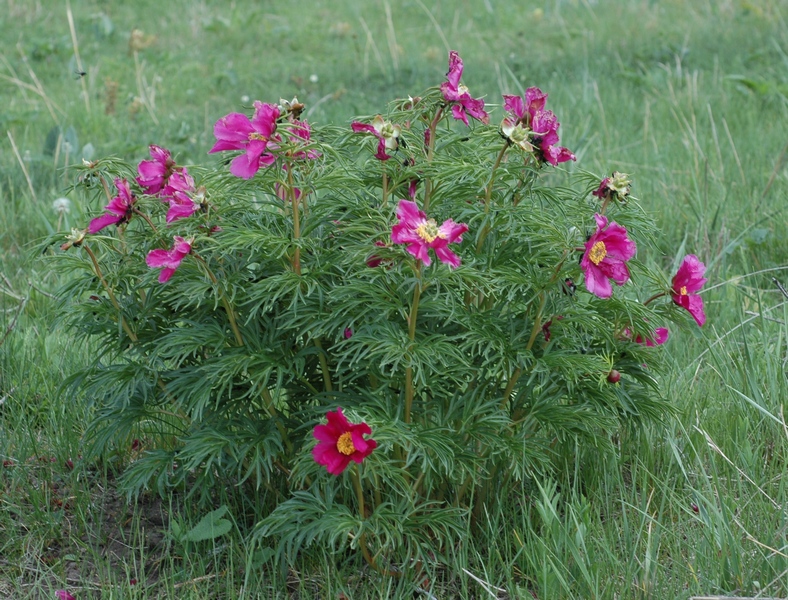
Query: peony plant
[[280, 323]]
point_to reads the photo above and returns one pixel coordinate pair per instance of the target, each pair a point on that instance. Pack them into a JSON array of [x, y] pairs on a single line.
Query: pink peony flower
[[374, 260], [607, 251], [120, 208], [255, 137], [457, 94], [531, 127], [169, 260], [340, 441], [420, 234], [660, 337], [184, 198], [63, 595], [300, 133], [687, 280], [155, 173], [387, 133]]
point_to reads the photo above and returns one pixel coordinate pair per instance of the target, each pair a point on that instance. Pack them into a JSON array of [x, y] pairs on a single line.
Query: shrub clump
[[377, 326]]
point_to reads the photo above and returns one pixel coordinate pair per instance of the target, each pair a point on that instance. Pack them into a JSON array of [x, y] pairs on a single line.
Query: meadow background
[[690, 98]]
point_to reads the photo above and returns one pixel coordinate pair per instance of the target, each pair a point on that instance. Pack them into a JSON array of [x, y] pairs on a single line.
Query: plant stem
[[296, 221], [519, 371], [144, 216], [654, 297], [414, 311], [110, 293], [324, 367], [362, 539], [385, 186], [229, 309], [430, 154], [488, 192]]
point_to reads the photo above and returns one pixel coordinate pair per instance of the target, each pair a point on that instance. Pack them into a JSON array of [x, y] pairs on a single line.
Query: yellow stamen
[[257, 136], [345, 444], [428, 231], [683, 290], [598, 253]]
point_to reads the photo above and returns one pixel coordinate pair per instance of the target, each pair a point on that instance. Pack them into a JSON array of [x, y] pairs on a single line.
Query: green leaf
[[210, 527]]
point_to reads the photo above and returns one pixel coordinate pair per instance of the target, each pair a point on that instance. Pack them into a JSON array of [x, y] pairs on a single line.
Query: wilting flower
[[169, 260], [688, 280], [184, 198], [659, 337], [533, 128], [120, 208], [546, 327], [340, 441], [456, 93], [374, 260], [300, 133], [255, 137], [607, 252], [154, 174], [616, 186], [292, 108], [387, 133], [421, 233], [75, 238]]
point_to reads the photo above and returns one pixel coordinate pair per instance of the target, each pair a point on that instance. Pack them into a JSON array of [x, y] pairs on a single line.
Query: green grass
[[689, 98]]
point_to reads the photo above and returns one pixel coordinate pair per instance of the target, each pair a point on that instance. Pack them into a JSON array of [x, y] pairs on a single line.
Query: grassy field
[[690, 98]]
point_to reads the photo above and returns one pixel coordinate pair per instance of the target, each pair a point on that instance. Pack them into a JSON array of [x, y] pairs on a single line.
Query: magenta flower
[[348, 333], [255, 137], [688, 280], [659, 337], [169, 260], [63, 595], [387, 133], [155, 173], [300, 133], [607, 252], [340, 441], [457, 94], [531, 127], [120, 208], [184, 198], [420, 234]]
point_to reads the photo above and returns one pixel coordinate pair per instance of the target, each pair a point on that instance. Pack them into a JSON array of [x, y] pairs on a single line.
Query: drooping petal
[[103, 221], [458, 112], [597, 283], [455, 70], [157, 258], [446, 256]]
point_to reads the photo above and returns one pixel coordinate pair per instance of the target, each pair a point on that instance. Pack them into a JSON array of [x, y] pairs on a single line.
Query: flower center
[[463, 89], [345, 444], [519, 134], [428, 231], [257, 136], [388, 131], [683, 290], [598, 253]]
